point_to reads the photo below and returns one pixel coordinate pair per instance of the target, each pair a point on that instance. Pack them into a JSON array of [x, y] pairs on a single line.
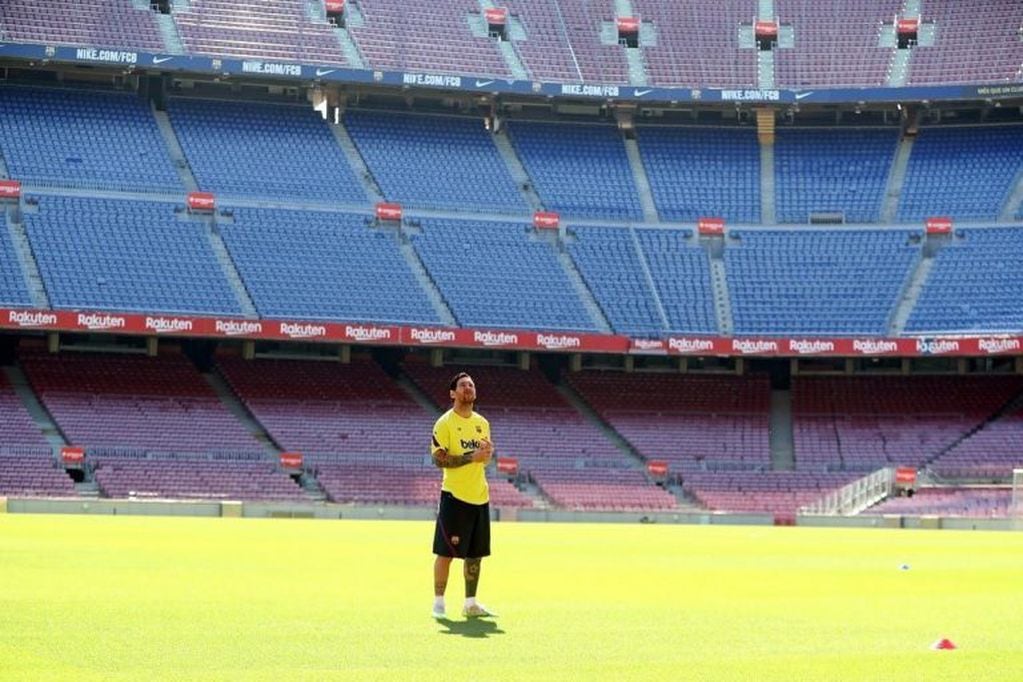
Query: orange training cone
[[943, 644]]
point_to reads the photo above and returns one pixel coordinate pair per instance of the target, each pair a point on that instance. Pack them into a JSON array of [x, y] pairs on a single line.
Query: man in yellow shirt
[[461, 448]]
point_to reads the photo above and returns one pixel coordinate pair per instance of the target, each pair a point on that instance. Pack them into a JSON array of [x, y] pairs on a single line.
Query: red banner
[[657, 467], [905, 476], [515, 339], [546, 220], [10, 189], [388, 211], [70, 454], [939, 225], [203, 202], [291, 460], [496, 16], [710, 226], [508, 465], [628, 25], [334, 7], [766, 29], [908, 25]]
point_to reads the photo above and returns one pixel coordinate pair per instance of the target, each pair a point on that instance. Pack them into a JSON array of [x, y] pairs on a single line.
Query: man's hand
[[484, 452]]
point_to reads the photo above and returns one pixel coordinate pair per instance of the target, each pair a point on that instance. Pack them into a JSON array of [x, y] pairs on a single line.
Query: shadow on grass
[[476, 628]]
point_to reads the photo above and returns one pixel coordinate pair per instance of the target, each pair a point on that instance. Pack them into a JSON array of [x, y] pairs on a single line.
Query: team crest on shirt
[[479, 429]]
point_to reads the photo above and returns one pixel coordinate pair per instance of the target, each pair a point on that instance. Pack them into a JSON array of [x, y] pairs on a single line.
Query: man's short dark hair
[[454, 382]]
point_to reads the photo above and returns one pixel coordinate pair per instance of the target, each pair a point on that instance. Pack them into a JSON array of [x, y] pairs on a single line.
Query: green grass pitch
[[149, 598]]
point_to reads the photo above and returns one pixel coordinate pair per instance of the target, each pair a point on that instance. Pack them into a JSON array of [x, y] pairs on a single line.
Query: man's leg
[[441, 568], [472, 576]]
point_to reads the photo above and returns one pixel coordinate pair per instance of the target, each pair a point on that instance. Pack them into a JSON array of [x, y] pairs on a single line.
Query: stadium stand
[[97, 23], [609, 262], [681, 273], [581, 171], [546, 52], [431, 37], [835, 43], [20, 433], [965, 172], [868, 422], [832, 171], [193, 479], [696, 172], [263, 150], [134, 405], [402, 153], [974, 43], [817, 281], [122, 255], [565, 455], [955, 501], [83, 139], [974, 285], [775, 492], [694, 423], [580, 22], [523, 286], [331, 411], [13, 287], [698, 47], [33, 474], [279, 30], [991, 452], [323, 266]]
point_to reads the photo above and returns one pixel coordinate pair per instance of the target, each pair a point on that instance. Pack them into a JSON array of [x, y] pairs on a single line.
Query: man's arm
[[443, 460]]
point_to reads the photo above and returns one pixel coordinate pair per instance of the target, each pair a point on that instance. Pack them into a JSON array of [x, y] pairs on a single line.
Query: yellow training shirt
[[459, 435]]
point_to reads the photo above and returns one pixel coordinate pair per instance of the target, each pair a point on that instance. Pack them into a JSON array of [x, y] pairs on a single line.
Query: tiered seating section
[[430, 37], [135, 404], [865, 423], [974, 43], [13, 287], [404, 153], [965, 172], [569, 459], [695, 423], [832, 171], [698, 44], [974, 284], [693, 44], [27, 467], [74, 138], [835, 44], [318, 265], [696, 172], [113, 254], [610, 264], [263, 150], [973, 502], [194, 479], [775, 492], [96, 23], [499, 275], [581, 171], [280, 30], [817, 281], [681, 273], [989, 453]]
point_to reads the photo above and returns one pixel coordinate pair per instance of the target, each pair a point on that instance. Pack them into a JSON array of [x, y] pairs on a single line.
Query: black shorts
[[463, 529]]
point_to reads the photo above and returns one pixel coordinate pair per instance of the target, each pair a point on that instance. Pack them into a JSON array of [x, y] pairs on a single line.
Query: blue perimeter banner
[[249, 68]]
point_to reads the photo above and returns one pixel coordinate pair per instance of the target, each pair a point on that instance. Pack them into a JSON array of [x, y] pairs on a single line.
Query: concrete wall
[[313, 510]]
